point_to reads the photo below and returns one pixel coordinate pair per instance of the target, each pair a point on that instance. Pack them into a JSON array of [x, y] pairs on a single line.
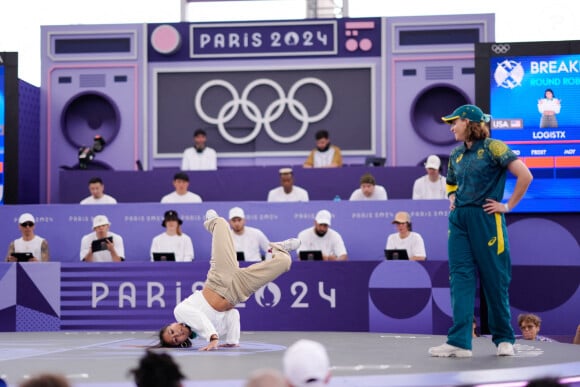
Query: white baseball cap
[[237, 212], [26, 217], [433, 162], [323, 217], [100, 220], [306, 363]]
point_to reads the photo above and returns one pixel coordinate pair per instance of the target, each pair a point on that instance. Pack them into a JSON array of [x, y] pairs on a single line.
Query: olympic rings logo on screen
[[273, 112], [500, 48]]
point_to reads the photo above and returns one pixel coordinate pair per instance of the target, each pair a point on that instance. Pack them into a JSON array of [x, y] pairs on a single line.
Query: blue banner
[[264, 39]]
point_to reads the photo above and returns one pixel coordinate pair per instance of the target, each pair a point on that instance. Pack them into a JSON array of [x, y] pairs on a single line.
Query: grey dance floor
[[357, 359]]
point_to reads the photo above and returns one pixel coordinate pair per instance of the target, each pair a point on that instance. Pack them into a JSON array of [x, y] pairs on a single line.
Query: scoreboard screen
[[532, 91]]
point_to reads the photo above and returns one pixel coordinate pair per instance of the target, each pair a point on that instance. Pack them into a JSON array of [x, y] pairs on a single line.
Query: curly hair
[[157, 370], [476, 131], [529, 317]]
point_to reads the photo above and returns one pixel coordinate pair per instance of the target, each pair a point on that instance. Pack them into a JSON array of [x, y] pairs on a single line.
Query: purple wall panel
[[31, 297], [28, 143], [391, 297], [8, 300]]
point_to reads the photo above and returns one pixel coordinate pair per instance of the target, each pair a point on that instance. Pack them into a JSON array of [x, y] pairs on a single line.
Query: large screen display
[[217, 101], [2, 125], [532, 91], [9, 110]]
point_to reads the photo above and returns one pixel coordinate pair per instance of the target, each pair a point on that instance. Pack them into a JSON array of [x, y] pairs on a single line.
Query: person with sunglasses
[[36, 246]]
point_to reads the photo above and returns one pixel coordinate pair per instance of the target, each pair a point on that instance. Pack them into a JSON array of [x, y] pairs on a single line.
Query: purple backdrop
[[398, 297]]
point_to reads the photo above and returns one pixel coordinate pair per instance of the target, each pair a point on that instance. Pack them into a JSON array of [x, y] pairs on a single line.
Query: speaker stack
[[90, 87], [430, 71]]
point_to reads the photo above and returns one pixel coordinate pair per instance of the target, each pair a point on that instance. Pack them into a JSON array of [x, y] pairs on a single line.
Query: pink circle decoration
[[165, 39], [351, 45], [365, 44]]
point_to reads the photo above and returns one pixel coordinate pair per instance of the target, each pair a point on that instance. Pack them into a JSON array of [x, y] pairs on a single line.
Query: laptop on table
[[375, 161], [396, 254], [310, 255], [160, 257]]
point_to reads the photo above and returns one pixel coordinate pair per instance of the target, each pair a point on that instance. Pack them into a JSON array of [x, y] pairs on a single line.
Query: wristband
[[507, 207], [213, 338]]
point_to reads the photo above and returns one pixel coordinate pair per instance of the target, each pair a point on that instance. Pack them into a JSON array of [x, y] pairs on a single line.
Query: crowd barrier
[[375, 296]]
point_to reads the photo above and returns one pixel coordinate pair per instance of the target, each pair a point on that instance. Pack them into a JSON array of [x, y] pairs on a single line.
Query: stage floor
[[358, 359]]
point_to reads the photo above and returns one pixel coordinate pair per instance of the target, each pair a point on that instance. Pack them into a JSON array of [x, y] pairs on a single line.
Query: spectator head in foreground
[[157, 370], [306, 364]]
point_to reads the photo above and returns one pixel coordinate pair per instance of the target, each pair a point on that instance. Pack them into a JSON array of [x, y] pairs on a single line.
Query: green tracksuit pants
[[478, 244]]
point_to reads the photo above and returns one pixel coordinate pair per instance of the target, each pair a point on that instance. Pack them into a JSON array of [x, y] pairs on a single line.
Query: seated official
[[110, 247], [200, 157], [29, 242], [250, 241], [406, 239], [322, 238], [369, 190], [181, 193], [98, 195], [432, 184], [173, 240], [287, 192], [325, 155]]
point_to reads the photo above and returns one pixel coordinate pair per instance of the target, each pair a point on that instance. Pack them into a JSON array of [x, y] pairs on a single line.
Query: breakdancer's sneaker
[[447, 350], [287, 245], [505, 349], [209, 216]]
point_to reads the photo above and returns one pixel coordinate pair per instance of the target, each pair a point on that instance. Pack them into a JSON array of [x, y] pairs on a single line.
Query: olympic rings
[[273, 112], [500, 48]]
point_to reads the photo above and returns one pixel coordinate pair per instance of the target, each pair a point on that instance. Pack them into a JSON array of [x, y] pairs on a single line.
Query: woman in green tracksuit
[[477, 231]]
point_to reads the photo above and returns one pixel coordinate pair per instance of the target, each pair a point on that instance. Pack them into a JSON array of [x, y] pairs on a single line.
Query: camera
[[87, 154]]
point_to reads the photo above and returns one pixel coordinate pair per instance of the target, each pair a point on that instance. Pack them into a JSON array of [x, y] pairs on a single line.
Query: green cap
[[470, 112]]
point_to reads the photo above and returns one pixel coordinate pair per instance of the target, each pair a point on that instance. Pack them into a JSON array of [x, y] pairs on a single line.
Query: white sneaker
[[447, 350], [505, 349], [287, 245], [209, 216]]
